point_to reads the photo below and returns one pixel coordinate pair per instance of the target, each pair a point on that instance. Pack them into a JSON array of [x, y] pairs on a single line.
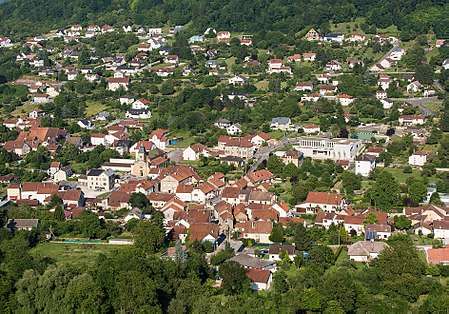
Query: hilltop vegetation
[[288, 16]]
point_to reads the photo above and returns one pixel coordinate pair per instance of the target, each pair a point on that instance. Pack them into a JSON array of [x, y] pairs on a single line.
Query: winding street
[[264, 152], [417, 102]]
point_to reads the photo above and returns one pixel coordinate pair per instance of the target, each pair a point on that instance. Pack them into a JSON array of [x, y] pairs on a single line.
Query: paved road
[[438, 86], [387, 54], [264, 152], [417, 102]]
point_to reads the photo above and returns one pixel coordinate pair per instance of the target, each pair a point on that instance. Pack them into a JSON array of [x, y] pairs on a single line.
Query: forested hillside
[[412, 17]]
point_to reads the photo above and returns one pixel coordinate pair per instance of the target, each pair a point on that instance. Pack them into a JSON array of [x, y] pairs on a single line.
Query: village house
[[234, 129], [411, 120], [275, 249], [328, 202], [281, 123], [159, 138], [259, 231], [236, 146], [366, 251], [418, 158], [364, 164], [377, 232], [99, 179], [194, 152], [441, 229], [304, 86], [313, 35], [309, 56], [115, 84], [344, 99]]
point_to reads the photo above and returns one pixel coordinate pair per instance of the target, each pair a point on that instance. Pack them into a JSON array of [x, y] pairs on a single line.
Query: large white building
[[325, 148], [364, 164]]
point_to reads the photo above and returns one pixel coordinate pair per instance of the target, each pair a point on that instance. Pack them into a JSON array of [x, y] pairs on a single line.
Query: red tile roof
[[324, 198]]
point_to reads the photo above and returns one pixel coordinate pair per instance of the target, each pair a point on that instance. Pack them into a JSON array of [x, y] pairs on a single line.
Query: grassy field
[[188, 139], [348, 27], [432, 106], [94, 107], [402, 177], [262, 85], [25, 109], [74, 254]]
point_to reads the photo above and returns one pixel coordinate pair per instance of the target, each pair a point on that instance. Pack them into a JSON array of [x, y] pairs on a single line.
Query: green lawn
[[74, 254], [276, 134], [343, 27], [94, 107], [432, 106], [188, 139], [402, 177]]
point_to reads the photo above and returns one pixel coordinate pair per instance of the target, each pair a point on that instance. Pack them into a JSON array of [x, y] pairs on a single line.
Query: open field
[[94, 107], [74, 254]]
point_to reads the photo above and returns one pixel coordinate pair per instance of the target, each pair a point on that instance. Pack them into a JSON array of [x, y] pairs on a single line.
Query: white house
[[441, 229], [260, 278], [138, 114], [345, 100], [115, 83], [140, 103], [41, 98], [237, 80], [381, 94], [5, 42], [303, 86], [234, 129], [85, 124], [418, 158], [364, 164], [414, 87], [386, 103], [311, 128], [328, 202], [126, 100], [194, 152], [98, 139], [446, 64], [281, 123], [411, 120]]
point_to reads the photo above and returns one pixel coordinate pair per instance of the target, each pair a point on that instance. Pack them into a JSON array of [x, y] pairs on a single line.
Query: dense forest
[[412, 17]]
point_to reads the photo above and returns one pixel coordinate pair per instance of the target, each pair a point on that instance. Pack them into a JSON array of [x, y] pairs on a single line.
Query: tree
[[424, 74], [401, 258], [385, 157], [301, 236], [275, 165], [54, 200], [59, 213], [83, 295], [277, 234], [135, 292], [402, 222], [351, 182], [139, 200], [370, 219], [321, 256], [280, 284], [417, 190], [385, 193], [290, 170], [234, 278], [150, 235]]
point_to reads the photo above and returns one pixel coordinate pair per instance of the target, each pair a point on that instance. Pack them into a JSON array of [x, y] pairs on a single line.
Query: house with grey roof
[[366, 251], [281, 123]]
